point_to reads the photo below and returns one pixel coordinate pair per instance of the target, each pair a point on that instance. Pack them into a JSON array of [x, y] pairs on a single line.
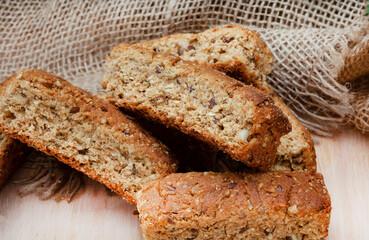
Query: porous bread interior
[[296, 151], [178, 98], [191, 100], [242, 54], [220, 48], [96, 147]]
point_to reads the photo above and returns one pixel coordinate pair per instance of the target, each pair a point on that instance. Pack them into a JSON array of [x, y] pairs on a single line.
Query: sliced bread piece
[[274, 205], [242, 54], [12, 154], [199, 101], [81, 130], [234, 50], [296, 151]]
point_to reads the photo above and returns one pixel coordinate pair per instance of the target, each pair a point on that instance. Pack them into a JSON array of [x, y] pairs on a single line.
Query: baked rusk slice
[[234, 50], [296, 150], [275, 205], [199, 101], [12, 154], [81, 130], [242, 54]]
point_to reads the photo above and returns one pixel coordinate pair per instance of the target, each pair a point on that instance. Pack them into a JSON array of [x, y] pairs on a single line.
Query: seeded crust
[[12, 154], [199, 101], [242, 54], [81, 130], [274, 205]]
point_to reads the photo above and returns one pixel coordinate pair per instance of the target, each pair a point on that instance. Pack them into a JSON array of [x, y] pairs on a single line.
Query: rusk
[[82, 130], [275, 205], [242, 54], [199, 101]]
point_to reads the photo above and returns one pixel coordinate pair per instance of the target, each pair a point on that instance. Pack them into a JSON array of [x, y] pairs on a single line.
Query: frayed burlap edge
[[322, 101], [360, 104], [48, 178]]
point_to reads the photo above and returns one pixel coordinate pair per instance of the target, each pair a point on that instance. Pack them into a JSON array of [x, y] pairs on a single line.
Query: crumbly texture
[[274, 205], [81, 130], [296, 151], [234, 50], [242, 54], [199, 101], [12, 154]]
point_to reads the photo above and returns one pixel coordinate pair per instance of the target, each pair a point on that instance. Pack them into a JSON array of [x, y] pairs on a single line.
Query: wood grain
[[344, 163], [343, 160]]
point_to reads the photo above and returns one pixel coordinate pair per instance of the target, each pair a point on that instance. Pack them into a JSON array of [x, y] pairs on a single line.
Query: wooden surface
[[343, 160]]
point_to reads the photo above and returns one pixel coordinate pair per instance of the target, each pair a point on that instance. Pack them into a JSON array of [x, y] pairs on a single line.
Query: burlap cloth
[[320, 47]]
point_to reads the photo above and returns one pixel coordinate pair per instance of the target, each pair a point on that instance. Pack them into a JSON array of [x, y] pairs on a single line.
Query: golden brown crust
[[273, 205], [12, 154], [243, 55], [269, 124], [92, 108]]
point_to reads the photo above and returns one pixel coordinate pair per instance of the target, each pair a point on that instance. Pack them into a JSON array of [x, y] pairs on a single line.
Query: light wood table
[[343, 160]]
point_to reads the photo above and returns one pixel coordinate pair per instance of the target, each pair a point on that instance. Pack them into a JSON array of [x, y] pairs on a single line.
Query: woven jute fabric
[[320, 47], [360, 104], [317, 45]]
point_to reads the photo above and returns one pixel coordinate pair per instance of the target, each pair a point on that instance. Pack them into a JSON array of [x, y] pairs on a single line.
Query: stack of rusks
[[173, 108]]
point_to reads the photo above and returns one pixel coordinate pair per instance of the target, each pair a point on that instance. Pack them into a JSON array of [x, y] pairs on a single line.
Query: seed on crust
[[74, 110]]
